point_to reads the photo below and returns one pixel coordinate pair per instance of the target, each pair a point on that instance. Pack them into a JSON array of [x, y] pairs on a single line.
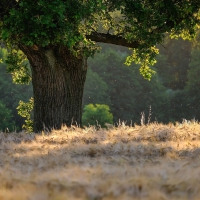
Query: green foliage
[[144, 57], [128, 93], [194, 72], [149, 20], [24, 110], [178, 69], [17, 65], [173, 63], [95, 90], [97, 114], [193, 84], [6, 123], [44, 23], [179, 107], [11, 94]]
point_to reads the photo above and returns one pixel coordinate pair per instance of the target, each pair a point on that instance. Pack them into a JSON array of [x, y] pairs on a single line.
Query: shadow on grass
[[157, 160]]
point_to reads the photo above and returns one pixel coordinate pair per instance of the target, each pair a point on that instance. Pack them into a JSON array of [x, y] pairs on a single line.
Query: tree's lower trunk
[[58, 79]]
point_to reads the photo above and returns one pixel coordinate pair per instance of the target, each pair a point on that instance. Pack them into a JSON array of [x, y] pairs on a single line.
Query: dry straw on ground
[[142, 162]]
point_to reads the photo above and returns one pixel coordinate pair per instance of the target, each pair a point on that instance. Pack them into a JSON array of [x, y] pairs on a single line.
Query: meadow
[[153, 161]]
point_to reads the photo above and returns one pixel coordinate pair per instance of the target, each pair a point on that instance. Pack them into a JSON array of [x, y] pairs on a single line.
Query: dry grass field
[[153, 161]]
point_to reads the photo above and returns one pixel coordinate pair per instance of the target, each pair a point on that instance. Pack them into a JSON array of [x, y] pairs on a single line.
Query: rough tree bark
[[58, 79]]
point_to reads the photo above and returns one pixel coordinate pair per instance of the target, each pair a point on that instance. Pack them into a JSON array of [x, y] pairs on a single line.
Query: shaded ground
[[143, 162]]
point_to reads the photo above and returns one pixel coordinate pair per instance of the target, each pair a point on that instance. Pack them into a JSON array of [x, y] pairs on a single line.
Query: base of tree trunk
[[58, 79]]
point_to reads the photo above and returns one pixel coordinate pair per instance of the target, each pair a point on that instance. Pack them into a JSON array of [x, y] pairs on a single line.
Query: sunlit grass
[[154, 161]]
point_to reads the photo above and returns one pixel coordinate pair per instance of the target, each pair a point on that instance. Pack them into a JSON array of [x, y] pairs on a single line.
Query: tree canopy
[[78, 23]]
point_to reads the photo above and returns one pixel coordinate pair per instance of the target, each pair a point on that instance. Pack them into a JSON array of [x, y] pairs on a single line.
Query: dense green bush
[[97, 114]]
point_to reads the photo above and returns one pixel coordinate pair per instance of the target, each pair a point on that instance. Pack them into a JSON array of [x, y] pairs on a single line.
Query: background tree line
[[172, 94]]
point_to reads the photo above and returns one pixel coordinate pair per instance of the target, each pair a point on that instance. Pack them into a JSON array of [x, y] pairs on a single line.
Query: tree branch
[[112, 39]]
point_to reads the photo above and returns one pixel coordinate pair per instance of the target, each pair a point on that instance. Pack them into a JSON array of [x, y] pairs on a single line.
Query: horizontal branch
[[112, 39]]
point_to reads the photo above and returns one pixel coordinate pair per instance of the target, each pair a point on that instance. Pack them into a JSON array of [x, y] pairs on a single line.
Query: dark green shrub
[[6, 123]]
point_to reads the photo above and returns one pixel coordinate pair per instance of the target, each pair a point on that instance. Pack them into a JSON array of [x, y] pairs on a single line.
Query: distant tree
[[193, 85], [97, 114], [129, 93], [178, 108], [95, 90], [58, 36], [173, 63], [6, 119]]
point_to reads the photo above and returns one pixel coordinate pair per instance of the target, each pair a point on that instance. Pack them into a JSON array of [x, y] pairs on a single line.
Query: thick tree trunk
[[58, 79]]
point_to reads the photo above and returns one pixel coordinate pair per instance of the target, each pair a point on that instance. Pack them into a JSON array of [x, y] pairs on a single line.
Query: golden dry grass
[[143, 162]]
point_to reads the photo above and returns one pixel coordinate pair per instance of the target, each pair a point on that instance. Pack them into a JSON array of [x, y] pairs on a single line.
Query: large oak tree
[[57, 37]]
